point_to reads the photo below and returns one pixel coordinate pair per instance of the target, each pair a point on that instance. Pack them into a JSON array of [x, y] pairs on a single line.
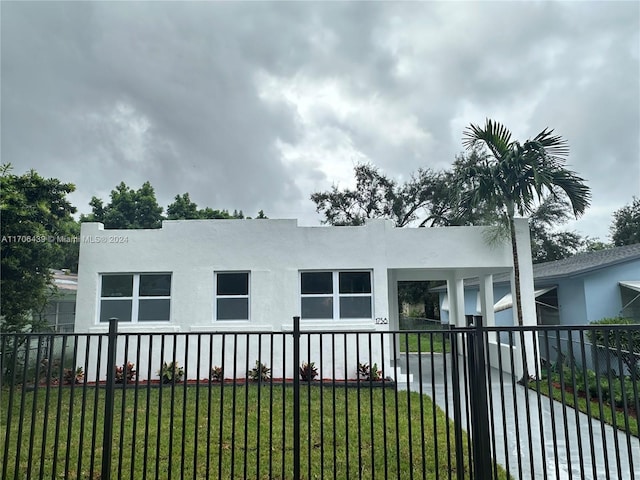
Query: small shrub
[[365, 372], [259, 372], [216, 374], [171, 372], [126, 373], [622, 343], [375, 373], [308, 371], [49, 374], [71, 376]]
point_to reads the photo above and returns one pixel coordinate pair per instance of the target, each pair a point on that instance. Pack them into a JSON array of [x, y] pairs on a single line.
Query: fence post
[[296, 398], [457, 402], [481, 437], [108, 401]]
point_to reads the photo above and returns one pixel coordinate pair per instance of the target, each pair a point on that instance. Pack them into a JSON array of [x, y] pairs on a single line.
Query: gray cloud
[[254, 105]]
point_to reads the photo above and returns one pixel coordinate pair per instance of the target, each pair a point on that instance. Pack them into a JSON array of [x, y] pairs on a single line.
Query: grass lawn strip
[[235, 434]]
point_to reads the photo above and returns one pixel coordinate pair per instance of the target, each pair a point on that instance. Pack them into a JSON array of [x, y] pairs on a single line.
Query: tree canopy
[[377, 196], [131, 209], [128, 208], [36, 225], [625, 227], [546, 244], [183, 208]]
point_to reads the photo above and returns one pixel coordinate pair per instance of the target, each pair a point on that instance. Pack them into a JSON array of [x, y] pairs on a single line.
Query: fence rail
[[437, 404]]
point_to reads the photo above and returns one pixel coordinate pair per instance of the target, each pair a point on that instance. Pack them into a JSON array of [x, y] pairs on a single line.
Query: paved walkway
[[526, 442]]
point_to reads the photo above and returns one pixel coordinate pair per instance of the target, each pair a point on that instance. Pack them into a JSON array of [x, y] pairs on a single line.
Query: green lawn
[[228, 432], [432, 336]]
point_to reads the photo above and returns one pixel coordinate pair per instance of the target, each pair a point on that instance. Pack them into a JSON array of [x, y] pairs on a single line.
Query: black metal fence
[[410, 404]]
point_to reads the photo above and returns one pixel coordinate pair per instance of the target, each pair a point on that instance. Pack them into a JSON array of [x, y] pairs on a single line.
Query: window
[[136, 297], [60, 315], [232, 296], [336, 295]]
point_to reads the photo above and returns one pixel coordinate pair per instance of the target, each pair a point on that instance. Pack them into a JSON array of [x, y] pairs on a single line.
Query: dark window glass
[[156, 310], [117, 285], [316, 283], [233, 284], [317, 307], [120, 309], [355, 307], [155, 285], [232, 309], [355, 282], [66, 307]]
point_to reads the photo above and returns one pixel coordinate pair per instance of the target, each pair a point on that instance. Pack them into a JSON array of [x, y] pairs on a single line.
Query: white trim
[[633, 285], [135, 298], [216, 297], [335, 295]]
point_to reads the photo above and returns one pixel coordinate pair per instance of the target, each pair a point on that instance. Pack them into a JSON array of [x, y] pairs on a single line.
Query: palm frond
[[575, 189], [495, 136], [553, 145]]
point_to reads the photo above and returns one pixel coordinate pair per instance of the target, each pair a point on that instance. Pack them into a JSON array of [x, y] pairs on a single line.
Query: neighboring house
[[60, 310], [573, 291], [254, 276]]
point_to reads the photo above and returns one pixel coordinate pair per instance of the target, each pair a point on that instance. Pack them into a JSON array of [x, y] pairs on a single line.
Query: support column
[[455, 291]]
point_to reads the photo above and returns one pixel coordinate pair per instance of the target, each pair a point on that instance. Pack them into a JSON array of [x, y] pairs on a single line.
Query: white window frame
[[135, 297], [336, 295], [216, 296]]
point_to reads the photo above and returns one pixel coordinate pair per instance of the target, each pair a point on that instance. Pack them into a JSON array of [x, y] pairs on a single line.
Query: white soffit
[[633, 285], [507, 301]]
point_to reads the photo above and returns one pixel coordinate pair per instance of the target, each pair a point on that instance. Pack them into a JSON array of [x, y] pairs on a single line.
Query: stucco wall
[[602, 290], [274, 252]]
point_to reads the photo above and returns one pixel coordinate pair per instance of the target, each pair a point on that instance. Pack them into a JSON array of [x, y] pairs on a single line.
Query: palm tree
[[515, 176]]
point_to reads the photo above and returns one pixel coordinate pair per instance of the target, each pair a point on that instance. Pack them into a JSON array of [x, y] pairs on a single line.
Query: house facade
[[252, 276]]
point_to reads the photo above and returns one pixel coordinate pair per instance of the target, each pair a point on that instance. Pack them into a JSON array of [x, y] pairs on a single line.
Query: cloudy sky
[[256, 105]]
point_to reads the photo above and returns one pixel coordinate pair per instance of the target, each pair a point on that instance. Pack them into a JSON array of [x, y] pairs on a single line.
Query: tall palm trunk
[[516, 268], [524, 338]]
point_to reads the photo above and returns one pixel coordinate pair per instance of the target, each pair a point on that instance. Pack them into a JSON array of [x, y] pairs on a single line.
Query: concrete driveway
[[535, 437]]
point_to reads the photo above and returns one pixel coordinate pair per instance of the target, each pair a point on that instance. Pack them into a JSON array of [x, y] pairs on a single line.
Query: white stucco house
[[256, 275]]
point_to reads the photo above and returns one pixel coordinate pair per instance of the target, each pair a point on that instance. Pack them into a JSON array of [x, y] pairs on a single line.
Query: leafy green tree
[[417, 293], [548, 245], [594, 245], [211, 214], [376, 196], [35, 222], [625, 228], [128, 208], [69, 245], [514, 176], [183, 209]]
